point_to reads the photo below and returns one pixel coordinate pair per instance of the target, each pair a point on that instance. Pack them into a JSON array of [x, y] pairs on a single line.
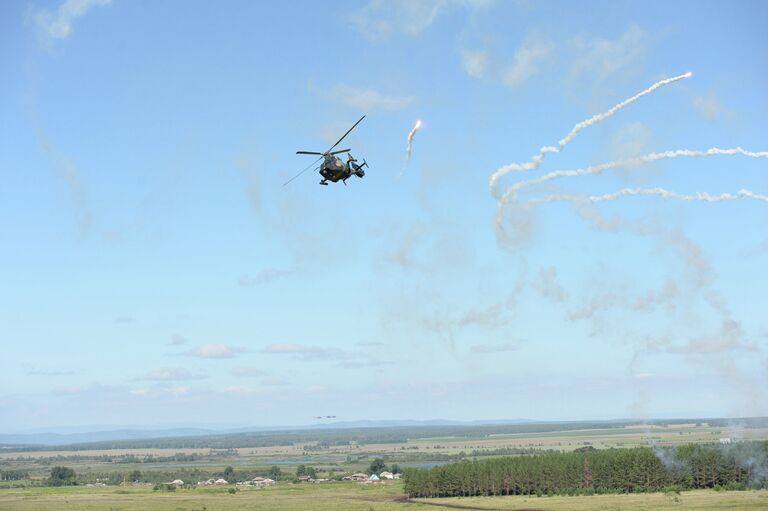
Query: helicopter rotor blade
[[308, 152], [345, 134], [305, 169], [342, 151]]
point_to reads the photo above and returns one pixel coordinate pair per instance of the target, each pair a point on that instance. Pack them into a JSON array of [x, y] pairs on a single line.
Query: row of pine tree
[[587, 471]]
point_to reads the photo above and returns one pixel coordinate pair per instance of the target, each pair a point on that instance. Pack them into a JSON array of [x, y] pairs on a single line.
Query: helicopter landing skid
[[324, 182]]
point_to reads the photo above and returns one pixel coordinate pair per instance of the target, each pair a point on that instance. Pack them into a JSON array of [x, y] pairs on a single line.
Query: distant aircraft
[[333, 168]]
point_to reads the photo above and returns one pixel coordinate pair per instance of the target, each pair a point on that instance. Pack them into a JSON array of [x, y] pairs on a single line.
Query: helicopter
[[333, 168]]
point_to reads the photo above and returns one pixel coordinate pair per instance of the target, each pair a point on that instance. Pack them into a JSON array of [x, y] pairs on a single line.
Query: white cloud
[[534, 51], [528, 58], [172, 374], [306, 352], [247, 371], [179, 391], [215, 350], [242, 390], [475, 63], [58, 24], [604, 58], [367, 100], [382, 18]]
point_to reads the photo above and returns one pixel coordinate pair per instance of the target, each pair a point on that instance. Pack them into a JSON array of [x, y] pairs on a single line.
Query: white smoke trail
[[629, 162], [409, 146], [511, 192], [657, 192], [536, 160]]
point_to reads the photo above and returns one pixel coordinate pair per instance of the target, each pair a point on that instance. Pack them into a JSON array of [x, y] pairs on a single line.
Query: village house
[[356, 477]]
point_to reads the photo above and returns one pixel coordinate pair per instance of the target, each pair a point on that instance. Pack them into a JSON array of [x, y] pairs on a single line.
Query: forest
[[588, 471]]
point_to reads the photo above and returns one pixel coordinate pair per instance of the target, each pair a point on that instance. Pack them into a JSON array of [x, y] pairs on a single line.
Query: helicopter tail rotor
[[359, 172]]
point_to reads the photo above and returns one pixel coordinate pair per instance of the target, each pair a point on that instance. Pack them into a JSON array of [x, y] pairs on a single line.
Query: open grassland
[[312, 452], [159, 464], [353, 496]]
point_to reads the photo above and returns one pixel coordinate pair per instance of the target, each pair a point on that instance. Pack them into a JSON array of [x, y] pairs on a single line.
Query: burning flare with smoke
[[409, 146]]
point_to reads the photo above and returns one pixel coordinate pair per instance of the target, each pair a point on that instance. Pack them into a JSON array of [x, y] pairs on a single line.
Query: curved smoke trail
[[536, 160], [657, 192], [633, 162], [511, 192]]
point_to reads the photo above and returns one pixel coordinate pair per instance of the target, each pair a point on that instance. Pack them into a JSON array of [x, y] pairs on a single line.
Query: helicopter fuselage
[[333, 169]]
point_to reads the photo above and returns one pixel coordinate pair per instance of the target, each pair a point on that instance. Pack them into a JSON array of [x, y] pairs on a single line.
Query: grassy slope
[[352, 496]]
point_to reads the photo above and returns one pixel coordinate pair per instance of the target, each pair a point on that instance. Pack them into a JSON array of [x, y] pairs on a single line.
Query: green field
[[352, 496], [334, 454]]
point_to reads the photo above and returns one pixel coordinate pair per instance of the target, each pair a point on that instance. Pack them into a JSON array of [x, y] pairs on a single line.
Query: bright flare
[[409, 146]]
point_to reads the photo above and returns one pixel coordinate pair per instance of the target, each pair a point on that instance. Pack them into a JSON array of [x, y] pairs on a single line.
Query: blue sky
[[155, 272]]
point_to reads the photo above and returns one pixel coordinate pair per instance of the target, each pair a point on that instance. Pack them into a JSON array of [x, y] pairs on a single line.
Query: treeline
[[639, 469], [326, 438], [331, 437], [13, 475]]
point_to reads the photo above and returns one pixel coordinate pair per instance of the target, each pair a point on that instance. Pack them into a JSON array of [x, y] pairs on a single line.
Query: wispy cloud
[[243, 390], [264, 277], [124, 320], [367, 100], [247, 371], [58, 24], [549, 287], [709, 106], [528, 59], [172, 374], [274, 381], [310, 353], [493, 348], [68, 172], [535, 50], [476, 63], [380, 19], [603, 58], [307, 352], [215, 350], [178, 340], [252, 181], [49, 372]]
